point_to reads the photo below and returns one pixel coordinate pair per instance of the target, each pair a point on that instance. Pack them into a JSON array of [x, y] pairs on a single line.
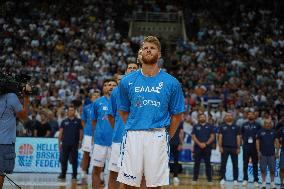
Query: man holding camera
[[10, 108]]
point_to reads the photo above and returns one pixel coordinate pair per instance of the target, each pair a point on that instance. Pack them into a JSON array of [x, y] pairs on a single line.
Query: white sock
[[84, 174]]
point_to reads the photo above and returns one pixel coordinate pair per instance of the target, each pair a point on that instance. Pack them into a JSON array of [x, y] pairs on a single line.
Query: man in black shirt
[[266, 141], [43, 129], [70, 137], [203, 136], [229, 143], [248, 132], [31, 124]]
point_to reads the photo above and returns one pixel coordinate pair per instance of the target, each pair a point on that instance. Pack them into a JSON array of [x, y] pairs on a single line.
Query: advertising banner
[[38, 155]]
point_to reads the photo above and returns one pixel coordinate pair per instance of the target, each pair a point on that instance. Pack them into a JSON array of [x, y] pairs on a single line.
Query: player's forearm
[[124, 116], [175, 121], [83, 123], [111, 120], [94, 122]]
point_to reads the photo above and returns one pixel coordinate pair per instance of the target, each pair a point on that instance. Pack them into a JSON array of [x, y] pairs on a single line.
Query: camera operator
[[10, 108]]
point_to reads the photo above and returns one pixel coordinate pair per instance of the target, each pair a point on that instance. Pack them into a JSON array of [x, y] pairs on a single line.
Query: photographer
[[10, 108]]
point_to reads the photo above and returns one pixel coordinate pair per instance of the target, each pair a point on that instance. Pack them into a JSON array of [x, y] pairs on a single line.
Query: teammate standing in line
[[150, 101], [103, 132], [88, 134], [118, 131]]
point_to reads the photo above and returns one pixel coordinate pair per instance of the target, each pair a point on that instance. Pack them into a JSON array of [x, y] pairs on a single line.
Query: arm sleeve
[[242, 129], [113, 104], [212, 131], [94, 115], [124, 101], [176, 105], [84, 116], [220, 130], [80, 124], [193, 130]]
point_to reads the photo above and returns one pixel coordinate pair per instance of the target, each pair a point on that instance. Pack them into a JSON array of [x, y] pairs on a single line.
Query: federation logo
[[25, 156], [138, 101]]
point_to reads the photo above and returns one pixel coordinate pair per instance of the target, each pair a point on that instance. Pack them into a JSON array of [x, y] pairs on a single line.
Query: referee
[[70, 137]]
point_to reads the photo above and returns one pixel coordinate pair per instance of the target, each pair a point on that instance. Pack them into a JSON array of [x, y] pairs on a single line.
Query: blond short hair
[[152, 39]]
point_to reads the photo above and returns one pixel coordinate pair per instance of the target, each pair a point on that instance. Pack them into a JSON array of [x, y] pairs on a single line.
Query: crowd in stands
[[234, 64], [70, 48]]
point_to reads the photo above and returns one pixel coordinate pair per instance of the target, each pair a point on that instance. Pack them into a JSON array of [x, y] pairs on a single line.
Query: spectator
[[54, 127], [31, 124], [43, 129]]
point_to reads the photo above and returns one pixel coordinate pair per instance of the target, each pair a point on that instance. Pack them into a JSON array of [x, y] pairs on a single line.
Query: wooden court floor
[[49, 181]]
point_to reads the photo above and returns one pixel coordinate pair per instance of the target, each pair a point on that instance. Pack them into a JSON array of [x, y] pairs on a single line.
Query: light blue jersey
[[103, 131], [87, 118], [119, 129], [150, 101]]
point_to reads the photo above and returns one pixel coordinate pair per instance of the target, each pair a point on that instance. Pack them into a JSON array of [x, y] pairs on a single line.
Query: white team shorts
[[145, 153], [100, 154], [114, 157], [87, 143]]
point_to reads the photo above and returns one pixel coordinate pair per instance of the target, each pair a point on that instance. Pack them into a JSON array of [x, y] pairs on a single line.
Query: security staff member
[[229, 143], [266, 141], [203, 136], [70, 137], [248, 132]]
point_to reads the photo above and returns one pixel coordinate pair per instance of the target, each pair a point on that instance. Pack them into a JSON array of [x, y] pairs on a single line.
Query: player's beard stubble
[[150, 60]]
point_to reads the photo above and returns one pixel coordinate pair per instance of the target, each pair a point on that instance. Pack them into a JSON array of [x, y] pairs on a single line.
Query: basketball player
[[150, 101], [103, 132], [88, 133], [118, 132]]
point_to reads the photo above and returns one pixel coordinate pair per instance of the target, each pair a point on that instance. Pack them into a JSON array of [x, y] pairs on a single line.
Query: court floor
[[47, 181]]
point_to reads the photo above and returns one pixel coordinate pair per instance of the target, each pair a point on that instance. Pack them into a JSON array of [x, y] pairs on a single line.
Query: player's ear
[[159, 55]]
